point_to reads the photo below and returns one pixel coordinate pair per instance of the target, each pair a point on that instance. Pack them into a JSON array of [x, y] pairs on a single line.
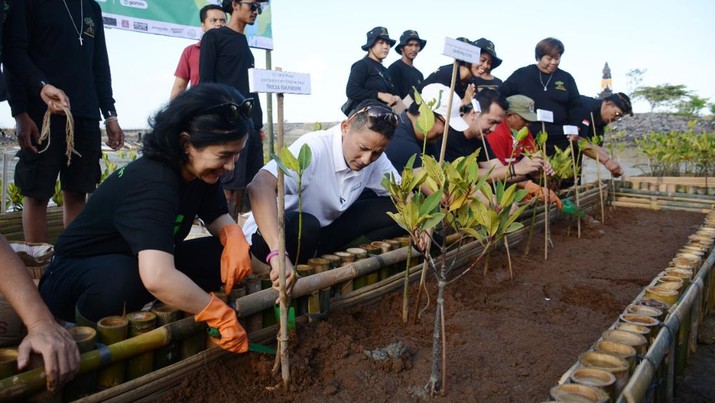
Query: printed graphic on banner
[[284, 82], [179, 18]]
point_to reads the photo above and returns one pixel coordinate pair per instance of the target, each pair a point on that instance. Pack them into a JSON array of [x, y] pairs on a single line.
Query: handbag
[[348, 107]]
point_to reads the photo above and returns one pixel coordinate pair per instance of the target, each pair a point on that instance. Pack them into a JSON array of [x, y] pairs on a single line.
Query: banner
[[178, 18]]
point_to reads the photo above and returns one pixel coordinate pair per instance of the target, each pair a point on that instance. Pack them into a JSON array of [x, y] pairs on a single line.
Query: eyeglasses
[[255, 6], [231, 111], [378, 112]]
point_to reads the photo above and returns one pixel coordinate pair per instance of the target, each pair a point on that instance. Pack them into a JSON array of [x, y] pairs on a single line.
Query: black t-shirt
[[443, 75], [591, 106], [225, 58], [458, 145], [481, 83], [367, 78], [560, 97], [144, 205], [405, 77], [41, 44], [404, 145]]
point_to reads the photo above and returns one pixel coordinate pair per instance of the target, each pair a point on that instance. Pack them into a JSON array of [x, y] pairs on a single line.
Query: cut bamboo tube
[[82, 385], [140, 323], [25, 383], [170, 354], [111, 330]]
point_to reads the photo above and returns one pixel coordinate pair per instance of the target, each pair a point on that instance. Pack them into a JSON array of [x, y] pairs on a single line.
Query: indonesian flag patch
[[586, 122]]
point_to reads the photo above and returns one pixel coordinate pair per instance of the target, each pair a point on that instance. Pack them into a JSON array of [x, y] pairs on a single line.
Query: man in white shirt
[[346, 160]]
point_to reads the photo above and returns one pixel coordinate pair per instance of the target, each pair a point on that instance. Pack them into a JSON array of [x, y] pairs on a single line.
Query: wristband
[[271, 255], [110, 119]]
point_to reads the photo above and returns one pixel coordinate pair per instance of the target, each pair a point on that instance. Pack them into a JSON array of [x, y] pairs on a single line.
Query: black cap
[[375, 34], [408, 36], [485, 45], [622, 101]]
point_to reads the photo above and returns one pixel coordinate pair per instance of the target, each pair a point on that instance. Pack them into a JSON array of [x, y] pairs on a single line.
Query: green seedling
[[295, 168], [14, 198], [57, 197]]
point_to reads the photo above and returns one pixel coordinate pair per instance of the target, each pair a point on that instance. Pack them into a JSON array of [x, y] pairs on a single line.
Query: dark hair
[[360, 120], [164, 144], [227, 6], [205, 10], [487, 97], [549, 46]]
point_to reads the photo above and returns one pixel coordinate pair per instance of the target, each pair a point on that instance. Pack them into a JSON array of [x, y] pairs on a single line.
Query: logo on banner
[[141, 26]]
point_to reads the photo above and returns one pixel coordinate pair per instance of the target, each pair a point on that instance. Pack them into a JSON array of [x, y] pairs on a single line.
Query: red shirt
[[188, 67], [503, 141]]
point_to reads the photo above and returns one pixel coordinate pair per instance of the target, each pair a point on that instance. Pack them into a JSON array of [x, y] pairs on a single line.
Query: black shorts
[[36, 174]]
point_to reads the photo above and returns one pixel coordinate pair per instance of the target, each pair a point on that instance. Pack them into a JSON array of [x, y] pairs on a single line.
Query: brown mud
[[508, 341]]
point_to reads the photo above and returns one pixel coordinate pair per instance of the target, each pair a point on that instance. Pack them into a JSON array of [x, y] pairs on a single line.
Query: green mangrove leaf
[[289, 159], [304, 157], [522, 134]]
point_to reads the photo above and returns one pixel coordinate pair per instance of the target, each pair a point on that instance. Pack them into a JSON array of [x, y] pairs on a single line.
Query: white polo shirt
[[329, 186]]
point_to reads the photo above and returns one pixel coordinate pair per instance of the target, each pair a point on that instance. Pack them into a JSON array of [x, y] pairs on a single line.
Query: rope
[[69, 133]]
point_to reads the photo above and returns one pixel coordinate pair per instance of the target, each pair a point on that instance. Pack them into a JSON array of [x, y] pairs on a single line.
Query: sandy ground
[[508, 341]]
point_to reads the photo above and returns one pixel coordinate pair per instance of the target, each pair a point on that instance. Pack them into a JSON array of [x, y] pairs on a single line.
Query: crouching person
[[128, 247], [343, 200]]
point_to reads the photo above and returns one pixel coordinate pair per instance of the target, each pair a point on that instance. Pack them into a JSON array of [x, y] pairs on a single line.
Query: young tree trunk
[[433, 383]]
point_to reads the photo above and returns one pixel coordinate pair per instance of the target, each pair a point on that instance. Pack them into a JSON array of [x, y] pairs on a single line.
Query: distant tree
[[635, 78], [661, 95], [692, 106], [712, 109]]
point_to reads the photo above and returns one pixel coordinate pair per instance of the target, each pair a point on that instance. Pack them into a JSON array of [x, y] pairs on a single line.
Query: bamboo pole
[[575, 184], [546, 199], [283, 294], [22, 384], [598, 171]]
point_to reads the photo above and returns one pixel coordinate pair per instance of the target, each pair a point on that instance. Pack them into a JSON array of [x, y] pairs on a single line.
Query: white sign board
[[284, 82], [570, 130], [542, 115], [461, 50]]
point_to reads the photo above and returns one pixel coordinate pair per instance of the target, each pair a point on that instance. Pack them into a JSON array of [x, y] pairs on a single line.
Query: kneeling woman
[[127, 246]]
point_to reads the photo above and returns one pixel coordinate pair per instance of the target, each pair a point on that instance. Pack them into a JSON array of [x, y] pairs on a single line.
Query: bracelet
[[512, 171], [110, 119], [271, 255]]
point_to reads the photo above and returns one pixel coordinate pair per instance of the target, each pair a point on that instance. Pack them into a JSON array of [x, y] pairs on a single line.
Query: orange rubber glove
[[236, 258], [219, 315], [537, 191]]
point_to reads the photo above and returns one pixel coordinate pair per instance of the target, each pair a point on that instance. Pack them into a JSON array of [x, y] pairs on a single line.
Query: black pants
[[366, 220], [105, 285]]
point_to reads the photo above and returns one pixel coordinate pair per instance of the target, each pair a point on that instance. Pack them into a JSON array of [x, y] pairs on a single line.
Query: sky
[[672, 41]]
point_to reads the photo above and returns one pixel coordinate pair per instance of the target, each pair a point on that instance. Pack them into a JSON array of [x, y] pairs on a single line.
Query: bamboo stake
[[442, 152], [598, 173], [546, 200], [575, 184], [283, 295]]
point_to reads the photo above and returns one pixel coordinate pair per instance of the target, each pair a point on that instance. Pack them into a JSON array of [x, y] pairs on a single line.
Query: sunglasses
[[231, 111], [255, 6], [378, 112]]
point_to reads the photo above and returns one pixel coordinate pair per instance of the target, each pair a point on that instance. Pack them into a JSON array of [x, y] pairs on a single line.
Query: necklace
[[81, 20], [540, 79]]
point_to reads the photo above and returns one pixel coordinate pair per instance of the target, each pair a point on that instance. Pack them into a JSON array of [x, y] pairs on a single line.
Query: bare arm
[[597, 153], [169, 285], [44, 335], [179, 86], [262, 191]]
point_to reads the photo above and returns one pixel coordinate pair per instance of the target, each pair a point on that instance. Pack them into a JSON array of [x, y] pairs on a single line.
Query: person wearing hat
[[403, 72], [482, 123], [443, 75], [488, 61], [503, 140], [369, 79], [408, 140], [599, 113]]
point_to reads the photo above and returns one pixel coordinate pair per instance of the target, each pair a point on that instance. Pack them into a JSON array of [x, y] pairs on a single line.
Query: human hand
[[115, 135], [58, 349], [55, 98], [529, 164], [614, 167], [219, 315], [291, 276], [235, 258], [469, 94], [538, 191], [27, 133]]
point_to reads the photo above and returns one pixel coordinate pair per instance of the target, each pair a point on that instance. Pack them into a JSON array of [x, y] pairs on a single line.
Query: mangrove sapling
[[288, 164], [454, 203], [540, 141], [585, 145]]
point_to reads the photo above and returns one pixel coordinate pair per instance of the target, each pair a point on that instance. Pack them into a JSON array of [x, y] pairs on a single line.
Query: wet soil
[[508, 340]]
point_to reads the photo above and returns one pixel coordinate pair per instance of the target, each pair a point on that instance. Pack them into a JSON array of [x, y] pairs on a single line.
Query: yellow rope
[[69, 133]]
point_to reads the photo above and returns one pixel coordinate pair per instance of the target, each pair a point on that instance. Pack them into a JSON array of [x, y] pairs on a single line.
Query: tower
[[606, 83]]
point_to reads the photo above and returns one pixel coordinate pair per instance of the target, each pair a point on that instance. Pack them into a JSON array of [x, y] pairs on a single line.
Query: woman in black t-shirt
[[369, 79], [127, 247]]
